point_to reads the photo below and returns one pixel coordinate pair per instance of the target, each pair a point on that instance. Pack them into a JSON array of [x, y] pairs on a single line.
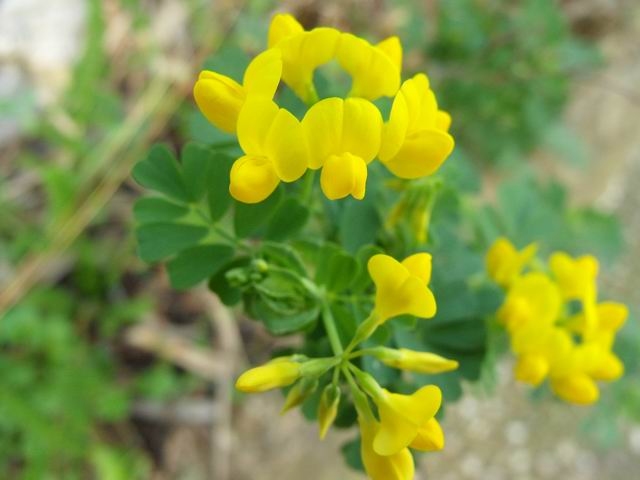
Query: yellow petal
[[419, 265], [398, 466], [612, 315], [373, 72], [579, 389], [421, 154], [286, 146], [254, 123], [386, 272], [533, 297], [322, 125], [220, 99], [401, 416], [362, 129], [344, 175], [430, 437], [577, 277], [393, 49], [421, 362], [505, 263], [395, 130], [252, 179], [302, 54], [443, 120], [262, 76], [531, 369], [268, 376], [283, 25], [397, 291]]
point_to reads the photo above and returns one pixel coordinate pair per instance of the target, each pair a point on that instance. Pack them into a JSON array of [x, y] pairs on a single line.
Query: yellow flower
[[505, 263], [375, 70], [534, 297], [401, 288], [398, 466], [220, 98], [328, 408], [403, 416], [577, 388], [537, 347], [275, 374], [576, 277], [302, 52], [343, 138], [430, 437], [275, 147], [415, 141], [422, 362]]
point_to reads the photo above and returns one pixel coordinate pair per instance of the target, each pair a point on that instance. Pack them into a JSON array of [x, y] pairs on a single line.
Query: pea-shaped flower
[[302, 52], [220, 98], [402, 417], [505, 263], [576, 276], [343, 138], [398, 466], [401, 288], [275, 150], [415, 140], [533, 298], [374, 69], [430, 437]]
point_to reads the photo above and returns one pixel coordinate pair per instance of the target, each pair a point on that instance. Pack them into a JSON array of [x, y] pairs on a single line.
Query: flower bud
[[299, 393], [272, 375], [328, 408], [421, 362]]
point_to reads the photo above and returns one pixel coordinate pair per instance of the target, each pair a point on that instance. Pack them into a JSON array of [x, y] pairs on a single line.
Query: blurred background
[[107, 373]]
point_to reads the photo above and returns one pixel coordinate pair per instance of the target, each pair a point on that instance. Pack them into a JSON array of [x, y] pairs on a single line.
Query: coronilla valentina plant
[[387, 330]]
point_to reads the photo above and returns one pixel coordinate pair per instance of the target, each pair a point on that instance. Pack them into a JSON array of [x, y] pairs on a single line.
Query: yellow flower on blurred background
[[576, 276], [403, 416], [302, 52], [220, 98], [401, 288], [343, 138], [533, 298], [374, 69], [275, 150], [430, 437], [505, 263], [398, 466], [415, 140]]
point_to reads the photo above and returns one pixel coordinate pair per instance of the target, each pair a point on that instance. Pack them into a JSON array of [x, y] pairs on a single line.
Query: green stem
[[365, 329], [307, 187], [331, 329]]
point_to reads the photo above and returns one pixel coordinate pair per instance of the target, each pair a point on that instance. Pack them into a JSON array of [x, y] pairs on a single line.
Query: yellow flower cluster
[[557, 326], [402, 421], [340, 136]]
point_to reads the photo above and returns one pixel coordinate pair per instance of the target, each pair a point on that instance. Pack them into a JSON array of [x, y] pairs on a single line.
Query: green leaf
[[287, 220], [283, 255], [249, 218], [161, 240], [160, 172], [218, 195], [196, 164], [156, 209], [359, 225], [196, 264], [279, 324], [343, 270]]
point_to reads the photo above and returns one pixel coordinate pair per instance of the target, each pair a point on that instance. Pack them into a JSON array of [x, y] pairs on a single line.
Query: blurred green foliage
[[503, 69]]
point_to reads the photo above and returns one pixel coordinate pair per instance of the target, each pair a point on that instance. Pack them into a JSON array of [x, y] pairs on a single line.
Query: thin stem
[[331, 329], [307, 187]]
